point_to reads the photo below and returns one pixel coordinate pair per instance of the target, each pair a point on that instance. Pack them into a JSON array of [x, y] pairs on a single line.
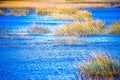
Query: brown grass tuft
[[77, 29], [35, 29], [100, 68], [115, 28], [2, 13], [19, 12], [72, 15]]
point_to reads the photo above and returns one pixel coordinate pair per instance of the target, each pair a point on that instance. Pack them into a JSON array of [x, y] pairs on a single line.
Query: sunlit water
[[40, 57]]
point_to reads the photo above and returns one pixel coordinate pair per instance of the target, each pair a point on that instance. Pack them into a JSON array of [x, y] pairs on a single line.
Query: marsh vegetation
[[2, 13], [77, 29], [110, 1], [19, 37], [45, 45], [100, 68], [72, 15], [35, 29], [115, 28], [70, 41], [19, 12]]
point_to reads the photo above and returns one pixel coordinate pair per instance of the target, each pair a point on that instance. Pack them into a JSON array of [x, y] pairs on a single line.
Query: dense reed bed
[[64, 0], [100, 68], [48, 11], [72, 15], [78, 29], [115, 28], [19, 12], [16, 4], [109, 1]]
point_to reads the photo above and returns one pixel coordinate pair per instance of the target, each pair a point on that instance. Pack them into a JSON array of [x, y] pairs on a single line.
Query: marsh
[[39, 58]]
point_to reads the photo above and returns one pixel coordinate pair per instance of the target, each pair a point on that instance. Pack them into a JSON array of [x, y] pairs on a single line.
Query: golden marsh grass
[[19, 4], [2, 13], [35, 29], [19, 12], [109, 1], [72, 15], [77, 29], [47, 11], [100, 68], [115, 28]]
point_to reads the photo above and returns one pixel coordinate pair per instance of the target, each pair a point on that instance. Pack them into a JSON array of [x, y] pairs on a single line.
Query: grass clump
[[69, 41], [100, 68], [19, 12], [65, 14], [77, 29], [2, 13], [115, 28], [42, 11], [82, 16], [66, 10], [72, 15], [21, 37], [46, 11], [35, 29], [60, 16]]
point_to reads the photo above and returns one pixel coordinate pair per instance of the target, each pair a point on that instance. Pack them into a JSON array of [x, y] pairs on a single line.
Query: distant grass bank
[[94, 1], [71, 14], [105, 1], [16, 4]]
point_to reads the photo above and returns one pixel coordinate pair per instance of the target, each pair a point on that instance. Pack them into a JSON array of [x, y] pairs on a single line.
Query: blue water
[[107, 16], [24, 22], [40, 58]]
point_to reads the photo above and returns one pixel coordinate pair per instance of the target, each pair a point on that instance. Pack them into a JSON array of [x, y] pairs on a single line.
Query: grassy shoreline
[[83, 1]]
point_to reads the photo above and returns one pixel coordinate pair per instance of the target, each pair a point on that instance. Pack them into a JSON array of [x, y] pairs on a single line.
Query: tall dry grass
[[59, 4], [2, 13], [19, 12], [21, 37], [77, 29], [99, 68], [47, 11], [71, 14], [110, 1], [64, 0], [35, 29], [43, 11], [83, 16], [115, 28]]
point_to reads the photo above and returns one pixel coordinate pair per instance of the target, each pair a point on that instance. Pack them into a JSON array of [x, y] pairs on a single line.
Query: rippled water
[[107, 16], [40, 57]]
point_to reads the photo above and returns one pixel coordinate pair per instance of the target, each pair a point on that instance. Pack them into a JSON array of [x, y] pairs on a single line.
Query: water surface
[[40, 58]]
